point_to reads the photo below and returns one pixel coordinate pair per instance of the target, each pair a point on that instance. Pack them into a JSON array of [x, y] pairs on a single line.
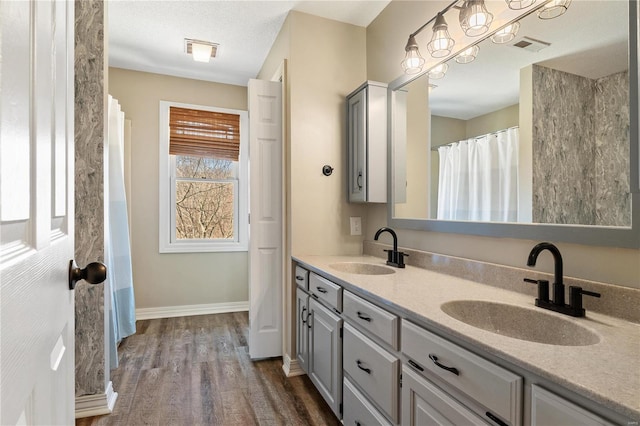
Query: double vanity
[[412, 346]]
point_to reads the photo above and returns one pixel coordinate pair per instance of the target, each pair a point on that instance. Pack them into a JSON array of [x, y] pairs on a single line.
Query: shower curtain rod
[[435, 148]]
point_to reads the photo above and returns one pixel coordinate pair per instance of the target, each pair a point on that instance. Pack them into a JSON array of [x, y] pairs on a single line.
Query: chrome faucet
[[574, 308], [394, 257]]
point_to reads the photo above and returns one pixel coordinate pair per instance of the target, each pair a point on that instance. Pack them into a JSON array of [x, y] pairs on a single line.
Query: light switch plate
[[356, 225]]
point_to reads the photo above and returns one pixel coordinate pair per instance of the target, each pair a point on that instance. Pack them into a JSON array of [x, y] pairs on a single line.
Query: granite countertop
[[607, 372]]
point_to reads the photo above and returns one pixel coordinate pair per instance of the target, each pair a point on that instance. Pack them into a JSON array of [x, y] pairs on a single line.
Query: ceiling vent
[[530, 44]]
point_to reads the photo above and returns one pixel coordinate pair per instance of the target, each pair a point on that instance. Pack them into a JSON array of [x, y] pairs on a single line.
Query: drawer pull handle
[[364, 317], [358, 423], [444, 367], [321, 289], [299, 278], [365, 369], [304, 321], [415, 365], [496, 419]]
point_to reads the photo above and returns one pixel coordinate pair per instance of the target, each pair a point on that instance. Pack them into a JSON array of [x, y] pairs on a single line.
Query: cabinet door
[[325, 354], [357, 116], [549, 409], [302, 330], [424, 404]]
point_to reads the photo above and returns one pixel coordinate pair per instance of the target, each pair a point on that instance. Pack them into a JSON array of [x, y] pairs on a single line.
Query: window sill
[[203, 248]]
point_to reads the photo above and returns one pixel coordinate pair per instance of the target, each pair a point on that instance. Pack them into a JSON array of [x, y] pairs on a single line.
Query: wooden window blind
[[200, 133]]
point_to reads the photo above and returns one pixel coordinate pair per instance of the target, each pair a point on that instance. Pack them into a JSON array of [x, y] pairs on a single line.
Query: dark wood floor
[[196, 371]]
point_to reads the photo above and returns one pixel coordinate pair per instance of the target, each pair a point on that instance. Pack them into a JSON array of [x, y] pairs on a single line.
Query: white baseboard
[[96, 405], [190, 310], [291, 367]]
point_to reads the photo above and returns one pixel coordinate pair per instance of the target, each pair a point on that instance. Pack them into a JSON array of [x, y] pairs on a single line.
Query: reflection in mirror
[[535, 130]]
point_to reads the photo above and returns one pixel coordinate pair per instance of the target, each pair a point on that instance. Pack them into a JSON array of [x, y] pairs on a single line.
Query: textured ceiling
[[149, 35]]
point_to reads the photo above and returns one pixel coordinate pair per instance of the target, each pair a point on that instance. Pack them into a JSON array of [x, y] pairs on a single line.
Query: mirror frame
[[624, 237]]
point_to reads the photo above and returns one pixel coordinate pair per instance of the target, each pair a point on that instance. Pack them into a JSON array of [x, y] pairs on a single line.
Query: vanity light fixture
[[553, 9], [438, 71], [475, 19], [519, 4], [468, 55], [202, 51], [413, 61], [506, 34], [441, 42]]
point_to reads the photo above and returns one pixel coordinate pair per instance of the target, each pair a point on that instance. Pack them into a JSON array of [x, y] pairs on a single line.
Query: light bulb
[[506, 34], [201, 52]]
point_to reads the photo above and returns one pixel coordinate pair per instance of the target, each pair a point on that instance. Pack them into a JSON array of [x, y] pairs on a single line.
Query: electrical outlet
[[356, 225]]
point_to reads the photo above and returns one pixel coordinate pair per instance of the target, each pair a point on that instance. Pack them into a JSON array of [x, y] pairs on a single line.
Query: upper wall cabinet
[[367, 140]]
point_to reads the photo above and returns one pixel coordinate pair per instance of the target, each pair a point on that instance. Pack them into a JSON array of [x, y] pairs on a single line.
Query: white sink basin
[[534, 325], [362, 268]]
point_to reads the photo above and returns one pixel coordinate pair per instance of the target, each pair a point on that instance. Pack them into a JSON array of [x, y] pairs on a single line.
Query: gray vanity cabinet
[[325, 354], [491, 392], [423, 403], [367, 141], [302, 329], [319, 334], [550, 409], [302, 316]]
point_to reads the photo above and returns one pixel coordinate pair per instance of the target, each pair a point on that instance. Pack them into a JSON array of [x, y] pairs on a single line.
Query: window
[[203, 179]]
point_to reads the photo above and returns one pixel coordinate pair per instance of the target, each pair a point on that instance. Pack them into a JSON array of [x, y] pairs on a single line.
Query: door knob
[[93, 273]]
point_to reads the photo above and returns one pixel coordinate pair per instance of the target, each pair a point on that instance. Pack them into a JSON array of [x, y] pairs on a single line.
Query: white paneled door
[[265, 229], [36, 212]]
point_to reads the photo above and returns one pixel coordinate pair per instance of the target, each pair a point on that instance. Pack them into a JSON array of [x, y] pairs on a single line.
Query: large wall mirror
[[535, 138]]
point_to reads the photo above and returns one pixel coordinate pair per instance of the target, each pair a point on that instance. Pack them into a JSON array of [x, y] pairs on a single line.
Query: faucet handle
[[389, 255], [543, 288], [401, 257], [575, 299]]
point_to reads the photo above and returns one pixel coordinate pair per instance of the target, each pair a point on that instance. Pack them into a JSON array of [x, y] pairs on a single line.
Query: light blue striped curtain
[[122, 317]]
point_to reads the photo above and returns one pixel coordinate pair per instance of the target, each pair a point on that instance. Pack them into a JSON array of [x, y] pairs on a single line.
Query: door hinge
[[400, 380], [340, 408], [249, 218], [341, 332]]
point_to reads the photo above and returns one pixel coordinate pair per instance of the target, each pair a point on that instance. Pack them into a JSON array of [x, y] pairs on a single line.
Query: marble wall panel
[[613, 199], [563, 147], [90, 95]]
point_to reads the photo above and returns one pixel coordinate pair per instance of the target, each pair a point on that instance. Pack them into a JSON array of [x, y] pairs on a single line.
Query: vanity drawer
[[357, 410], [302, 278], [323, 289], [492, 386], [423, 403], [374, 369], [373, 319]]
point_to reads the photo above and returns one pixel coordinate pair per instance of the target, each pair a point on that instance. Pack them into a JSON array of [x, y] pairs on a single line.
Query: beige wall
[[174, 279], [385, 50], [497, 120]]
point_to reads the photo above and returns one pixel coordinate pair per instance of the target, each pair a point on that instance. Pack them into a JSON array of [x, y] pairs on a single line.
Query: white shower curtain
[[122, 321], [479, 178]]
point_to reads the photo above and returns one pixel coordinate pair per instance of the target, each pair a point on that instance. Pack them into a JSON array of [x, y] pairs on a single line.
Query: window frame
[[168, 243]]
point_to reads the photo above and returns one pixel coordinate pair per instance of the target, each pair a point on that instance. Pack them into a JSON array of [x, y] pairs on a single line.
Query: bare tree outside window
[[205, 198]]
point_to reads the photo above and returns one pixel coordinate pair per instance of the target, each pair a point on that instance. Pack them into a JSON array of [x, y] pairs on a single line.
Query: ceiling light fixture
[[553, 9], [468, 55], [441, 42], [519, 4], [413, 61], [438, 71], [474, 18], [202, 51], [506, 34]]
